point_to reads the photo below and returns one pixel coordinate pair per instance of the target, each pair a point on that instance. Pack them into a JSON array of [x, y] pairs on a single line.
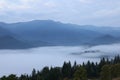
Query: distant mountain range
[[8, 42], [39, 33]]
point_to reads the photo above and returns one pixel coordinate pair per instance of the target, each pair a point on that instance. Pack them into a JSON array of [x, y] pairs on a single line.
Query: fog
[[23, 61]]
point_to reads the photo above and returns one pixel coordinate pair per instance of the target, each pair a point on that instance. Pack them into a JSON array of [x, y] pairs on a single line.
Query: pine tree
[[66, 70], [80, 74], [106, 73]]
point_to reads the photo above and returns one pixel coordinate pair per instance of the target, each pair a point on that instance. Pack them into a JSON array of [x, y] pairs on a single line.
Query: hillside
[[51, 33], [8, 42], [105, 39]]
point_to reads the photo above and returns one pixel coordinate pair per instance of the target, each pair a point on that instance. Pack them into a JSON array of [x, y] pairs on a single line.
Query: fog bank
[[23, 61]]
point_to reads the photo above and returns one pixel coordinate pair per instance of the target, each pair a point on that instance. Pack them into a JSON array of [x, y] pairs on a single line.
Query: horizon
[[81, 12], [58, 22]]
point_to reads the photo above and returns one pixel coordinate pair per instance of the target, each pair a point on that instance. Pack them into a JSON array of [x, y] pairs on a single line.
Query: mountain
[[8, 42], [51, 33], [105, 39], [113, 31], [4, 32]]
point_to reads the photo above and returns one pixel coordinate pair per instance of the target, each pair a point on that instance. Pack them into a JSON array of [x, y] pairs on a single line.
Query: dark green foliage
[[106, 73], [110, 71], [3, 78], [115, 70], [34, 74], [91, 69], [55, 74], [106, 69], [10, 77], [66, 70], [45, 73], [24, 77], [80, 74]]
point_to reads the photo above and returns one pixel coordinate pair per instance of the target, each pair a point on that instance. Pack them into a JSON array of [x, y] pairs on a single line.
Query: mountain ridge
[[48, 33]]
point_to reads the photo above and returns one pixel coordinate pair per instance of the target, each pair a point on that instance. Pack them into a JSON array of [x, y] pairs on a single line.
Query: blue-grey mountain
[[50, 33]]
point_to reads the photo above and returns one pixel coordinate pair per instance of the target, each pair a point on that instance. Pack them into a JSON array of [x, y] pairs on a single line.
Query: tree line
[[104, 70]]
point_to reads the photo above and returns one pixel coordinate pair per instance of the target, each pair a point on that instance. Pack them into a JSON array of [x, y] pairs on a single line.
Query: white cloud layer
[[23, 61]]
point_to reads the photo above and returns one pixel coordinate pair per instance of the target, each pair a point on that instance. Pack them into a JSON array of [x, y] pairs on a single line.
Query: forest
[[106, 69]]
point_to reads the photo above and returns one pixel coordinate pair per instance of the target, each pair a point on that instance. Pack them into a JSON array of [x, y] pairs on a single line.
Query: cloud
[[50, 4], [86, 1], [70, 11], [107, 13], [3, 4], [10, 6], [26, 6]]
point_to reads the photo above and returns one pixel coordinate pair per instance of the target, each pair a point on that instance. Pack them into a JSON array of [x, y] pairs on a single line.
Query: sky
[[83, 12]]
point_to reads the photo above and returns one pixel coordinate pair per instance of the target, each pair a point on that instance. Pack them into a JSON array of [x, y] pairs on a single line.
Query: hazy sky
[[84, 12]]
